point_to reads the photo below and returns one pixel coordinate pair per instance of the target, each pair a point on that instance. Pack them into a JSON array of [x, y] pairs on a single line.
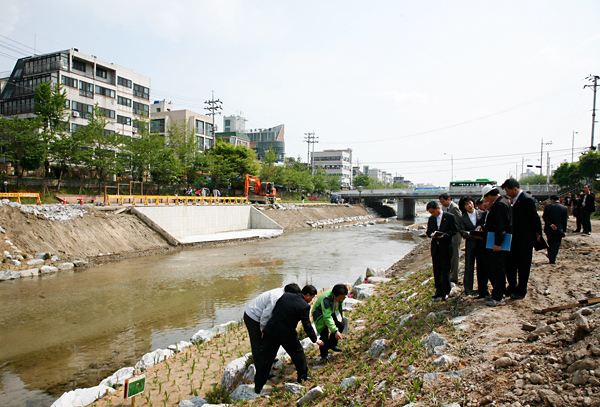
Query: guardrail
[[20, 195], [174, 200]]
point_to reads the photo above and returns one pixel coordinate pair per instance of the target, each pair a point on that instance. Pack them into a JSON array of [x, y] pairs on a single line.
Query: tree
[[51, 107], [68, 149], [142, 152], [589, 165], [533, 180], [567, 174], [22, 143], [227, 164], [182, 141]]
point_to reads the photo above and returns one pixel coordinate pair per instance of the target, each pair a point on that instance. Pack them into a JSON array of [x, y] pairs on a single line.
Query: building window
[[207, 143], [199, 127], [157, 126], [123, 82], [79, 65], [75, 127], [123, 101], [107, 113], [141, 109], [105, 92], [141, 91], [82, 110], [71, 82], [108, 132], [209, 129], [124, 120], [86, 89], [102, 73]]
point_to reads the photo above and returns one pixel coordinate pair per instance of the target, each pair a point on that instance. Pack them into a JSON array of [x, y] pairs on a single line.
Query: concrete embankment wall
[[190, 224]]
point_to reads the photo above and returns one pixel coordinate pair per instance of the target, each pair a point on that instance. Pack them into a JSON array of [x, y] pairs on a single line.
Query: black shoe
[[336, 349], [270, 376], [516, 297], [444, 297], [303, 379], [325, 359]]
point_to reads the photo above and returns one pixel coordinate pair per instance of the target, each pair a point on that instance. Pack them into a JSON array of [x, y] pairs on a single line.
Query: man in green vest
[[329, 320]]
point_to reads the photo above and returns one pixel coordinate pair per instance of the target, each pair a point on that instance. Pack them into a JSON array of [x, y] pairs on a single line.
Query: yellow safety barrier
[[174, 200], [20, 195]]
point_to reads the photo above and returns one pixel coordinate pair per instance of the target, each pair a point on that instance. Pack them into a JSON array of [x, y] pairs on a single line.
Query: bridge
[[406, 197]]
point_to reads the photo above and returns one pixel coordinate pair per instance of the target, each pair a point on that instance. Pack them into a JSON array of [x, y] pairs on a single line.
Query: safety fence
[[19, 195], [173, 200]]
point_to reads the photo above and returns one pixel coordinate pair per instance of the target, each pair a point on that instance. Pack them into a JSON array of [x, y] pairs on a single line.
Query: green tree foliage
[[67, 149], [182, 142], [227, 164], [143, 152], [365, 181], [533, 180], [589, 165], [51, 108], [22, 143], [567, 174]]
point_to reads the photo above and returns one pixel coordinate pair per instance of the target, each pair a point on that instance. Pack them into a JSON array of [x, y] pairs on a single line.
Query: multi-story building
[[235, 138], [261, 140], [335, 162], [121, 94], [162, 116]]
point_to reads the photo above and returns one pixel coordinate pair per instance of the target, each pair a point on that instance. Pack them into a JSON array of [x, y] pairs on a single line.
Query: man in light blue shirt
[[258, 313]]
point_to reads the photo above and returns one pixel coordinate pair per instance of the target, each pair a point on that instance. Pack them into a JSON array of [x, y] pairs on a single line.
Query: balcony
[[86, 94]]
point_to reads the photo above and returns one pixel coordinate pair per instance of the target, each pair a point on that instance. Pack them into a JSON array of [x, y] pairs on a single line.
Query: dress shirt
[[439, 219], [473, 218], [261, 308], [516, 197]]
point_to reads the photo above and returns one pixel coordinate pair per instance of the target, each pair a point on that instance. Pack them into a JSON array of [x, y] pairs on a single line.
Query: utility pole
[[595, 86], [213, 107], [310, 138]]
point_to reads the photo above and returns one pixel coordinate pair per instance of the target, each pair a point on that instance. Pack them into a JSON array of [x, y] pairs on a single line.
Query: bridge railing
[[173, 200]]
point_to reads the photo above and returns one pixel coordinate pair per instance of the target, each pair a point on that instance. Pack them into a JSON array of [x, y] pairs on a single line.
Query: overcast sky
[[405, 84]]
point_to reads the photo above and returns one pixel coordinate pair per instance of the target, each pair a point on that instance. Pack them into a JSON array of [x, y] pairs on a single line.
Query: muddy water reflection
[[72, 330]]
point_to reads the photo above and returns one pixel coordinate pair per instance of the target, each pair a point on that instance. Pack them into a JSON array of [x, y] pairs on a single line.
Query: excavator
[[259, 192]]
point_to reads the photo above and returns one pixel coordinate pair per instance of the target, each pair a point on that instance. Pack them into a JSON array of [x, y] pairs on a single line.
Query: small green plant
[[218, 395]]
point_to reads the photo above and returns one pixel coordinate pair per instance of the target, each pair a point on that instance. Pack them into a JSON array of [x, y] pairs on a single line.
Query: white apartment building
[[162, 116], [122, 94], [335, 162]]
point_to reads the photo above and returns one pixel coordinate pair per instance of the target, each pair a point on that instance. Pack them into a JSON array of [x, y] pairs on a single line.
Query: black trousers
[[442, 264], [474, 256], [577, 214], [518, 268], [256, 342], [271, 343], [586, 223], [328, 338], [554, 241], [497, 268]]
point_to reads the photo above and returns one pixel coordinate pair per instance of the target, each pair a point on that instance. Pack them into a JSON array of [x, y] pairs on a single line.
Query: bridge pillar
[[406, 208]]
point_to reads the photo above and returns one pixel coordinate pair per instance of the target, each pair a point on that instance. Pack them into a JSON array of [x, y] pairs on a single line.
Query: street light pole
[[452, 166], [573, 146], [542, 155]]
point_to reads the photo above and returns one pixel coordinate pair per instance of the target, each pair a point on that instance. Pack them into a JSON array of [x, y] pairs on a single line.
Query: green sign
[[135, 385]]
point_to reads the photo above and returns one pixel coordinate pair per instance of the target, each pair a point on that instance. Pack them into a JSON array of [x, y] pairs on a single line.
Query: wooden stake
[[580, 303]]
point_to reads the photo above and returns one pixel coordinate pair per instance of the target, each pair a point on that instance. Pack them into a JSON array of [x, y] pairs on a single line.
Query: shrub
[[218, 395]]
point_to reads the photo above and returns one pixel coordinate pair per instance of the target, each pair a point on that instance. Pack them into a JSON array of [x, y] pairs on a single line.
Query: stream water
[[71, 330]]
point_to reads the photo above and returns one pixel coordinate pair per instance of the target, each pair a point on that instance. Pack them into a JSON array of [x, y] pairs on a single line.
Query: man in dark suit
[[449, 206], [527, 229], [577, 201], [498, 221], [555, 225], [473, 219], [441, 228], [281, 331], [588, 206]]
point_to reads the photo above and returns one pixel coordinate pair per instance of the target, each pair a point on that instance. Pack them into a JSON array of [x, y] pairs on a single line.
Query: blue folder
[[505, 246]]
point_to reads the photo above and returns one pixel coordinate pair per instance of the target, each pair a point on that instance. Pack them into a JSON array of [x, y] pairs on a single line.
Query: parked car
[[335, 198]]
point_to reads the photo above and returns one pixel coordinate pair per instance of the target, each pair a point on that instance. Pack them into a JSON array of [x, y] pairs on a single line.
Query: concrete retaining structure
[[207, 223]]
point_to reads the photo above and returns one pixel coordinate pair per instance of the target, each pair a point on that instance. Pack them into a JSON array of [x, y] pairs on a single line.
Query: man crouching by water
[[441, 228], [281, 331]]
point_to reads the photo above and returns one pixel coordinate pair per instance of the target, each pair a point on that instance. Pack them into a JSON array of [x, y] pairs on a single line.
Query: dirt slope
[[294, 219]]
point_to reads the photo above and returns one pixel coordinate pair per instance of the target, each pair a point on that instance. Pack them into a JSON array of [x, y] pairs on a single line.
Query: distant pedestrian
[[577, 202], [4, 188], [555, 225], [302, 198], [281, 331], [588, 206]]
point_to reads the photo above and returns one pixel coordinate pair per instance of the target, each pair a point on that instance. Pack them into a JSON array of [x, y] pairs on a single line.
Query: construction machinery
[[259, 192]]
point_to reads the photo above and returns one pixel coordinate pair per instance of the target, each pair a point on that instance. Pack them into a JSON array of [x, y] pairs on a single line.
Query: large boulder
[[35, 262], [377, 347], [193, 402], [243, 392], [234, 372], [363, 291], [66, 266], [119, 377], [152, 358], [203, 335], [373, 272], [82, 397], [48, 269], [311, 395], [293, 388], [29, 272], [179, 346]]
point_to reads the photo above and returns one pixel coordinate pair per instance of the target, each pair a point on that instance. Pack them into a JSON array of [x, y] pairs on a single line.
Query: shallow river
[[71, 330]]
